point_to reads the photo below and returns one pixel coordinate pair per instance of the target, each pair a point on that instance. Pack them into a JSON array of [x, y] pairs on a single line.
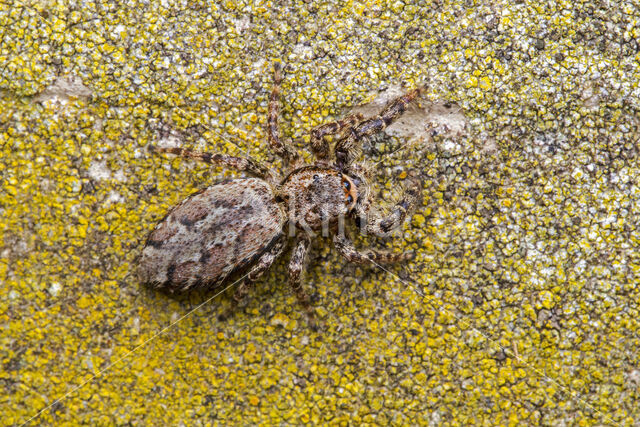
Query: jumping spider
[[239, 226]]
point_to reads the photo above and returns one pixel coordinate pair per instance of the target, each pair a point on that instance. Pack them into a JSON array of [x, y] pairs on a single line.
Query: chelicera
[[238, 228]]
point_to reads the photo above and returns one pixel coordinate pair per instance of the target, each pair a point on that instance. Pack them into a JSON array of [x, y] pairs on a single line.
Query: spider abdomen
[[211, 235]]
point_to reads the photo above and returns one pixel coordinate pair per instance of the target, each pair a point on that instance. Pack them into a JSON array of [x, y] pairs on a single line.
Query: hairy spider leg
[[347, 149], [242, 164], [264, 262], [319, 145], [371, 221], [346, 248], [296, 266], [281, 148]]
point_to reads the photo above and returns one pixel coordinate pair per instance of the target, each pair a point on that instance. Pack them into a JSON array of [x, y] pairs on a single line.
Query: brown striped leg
[[347, 250], [243, 164], [264, 262], [296, 266], [319, 146], [347, 148], [273, 134], [382, 226]]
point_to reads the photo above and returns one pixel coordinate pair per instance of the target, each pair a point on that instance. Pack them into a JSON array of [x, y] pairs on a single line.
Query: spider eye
[[346, 184], [349, 199]]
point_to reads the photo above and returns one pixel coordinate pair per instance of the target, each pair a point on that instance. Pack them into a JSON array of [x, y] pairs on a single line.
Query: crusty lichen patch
[[521, 306]]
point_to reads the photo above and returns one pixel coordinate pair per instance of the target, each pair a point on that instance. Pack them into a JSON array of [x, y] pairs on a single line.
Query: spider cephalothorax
[[238, 228], [318, 196]]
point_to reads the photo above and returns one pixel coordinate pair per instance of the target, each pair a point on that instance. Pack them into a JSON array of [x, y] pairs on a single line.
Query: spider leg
[[371, 221], [319, 146], [296, 266], [264, 262], [348, 147], [243, 164], [349, 251], [282, 149]]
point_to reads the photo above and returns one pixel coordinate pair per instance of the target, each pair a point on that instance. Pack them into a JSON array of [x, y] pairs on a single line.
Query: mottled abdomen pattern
[[212, 235]]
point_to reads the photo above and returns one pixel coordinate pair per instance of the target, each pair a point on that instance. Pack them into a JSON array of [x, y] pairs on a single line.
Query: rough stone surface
[[520, 307]]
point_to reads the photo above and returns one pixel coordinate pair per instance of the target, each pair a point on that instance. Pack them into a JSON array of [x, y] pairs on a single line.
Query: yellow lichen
[[520, 306]]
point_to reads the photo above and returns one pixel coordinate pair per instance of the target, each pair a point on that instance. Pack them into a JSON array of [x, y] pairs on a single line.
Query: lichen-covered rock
[[520, 306]]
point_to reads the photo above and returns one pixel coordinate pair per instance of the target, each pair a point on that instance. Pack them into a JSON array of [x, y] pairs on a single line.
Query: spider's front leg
[[346, 248], [347, 148], [296, 266], [319, 145], [264, 262], [282, 149], [371, 221], [242, 164]]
